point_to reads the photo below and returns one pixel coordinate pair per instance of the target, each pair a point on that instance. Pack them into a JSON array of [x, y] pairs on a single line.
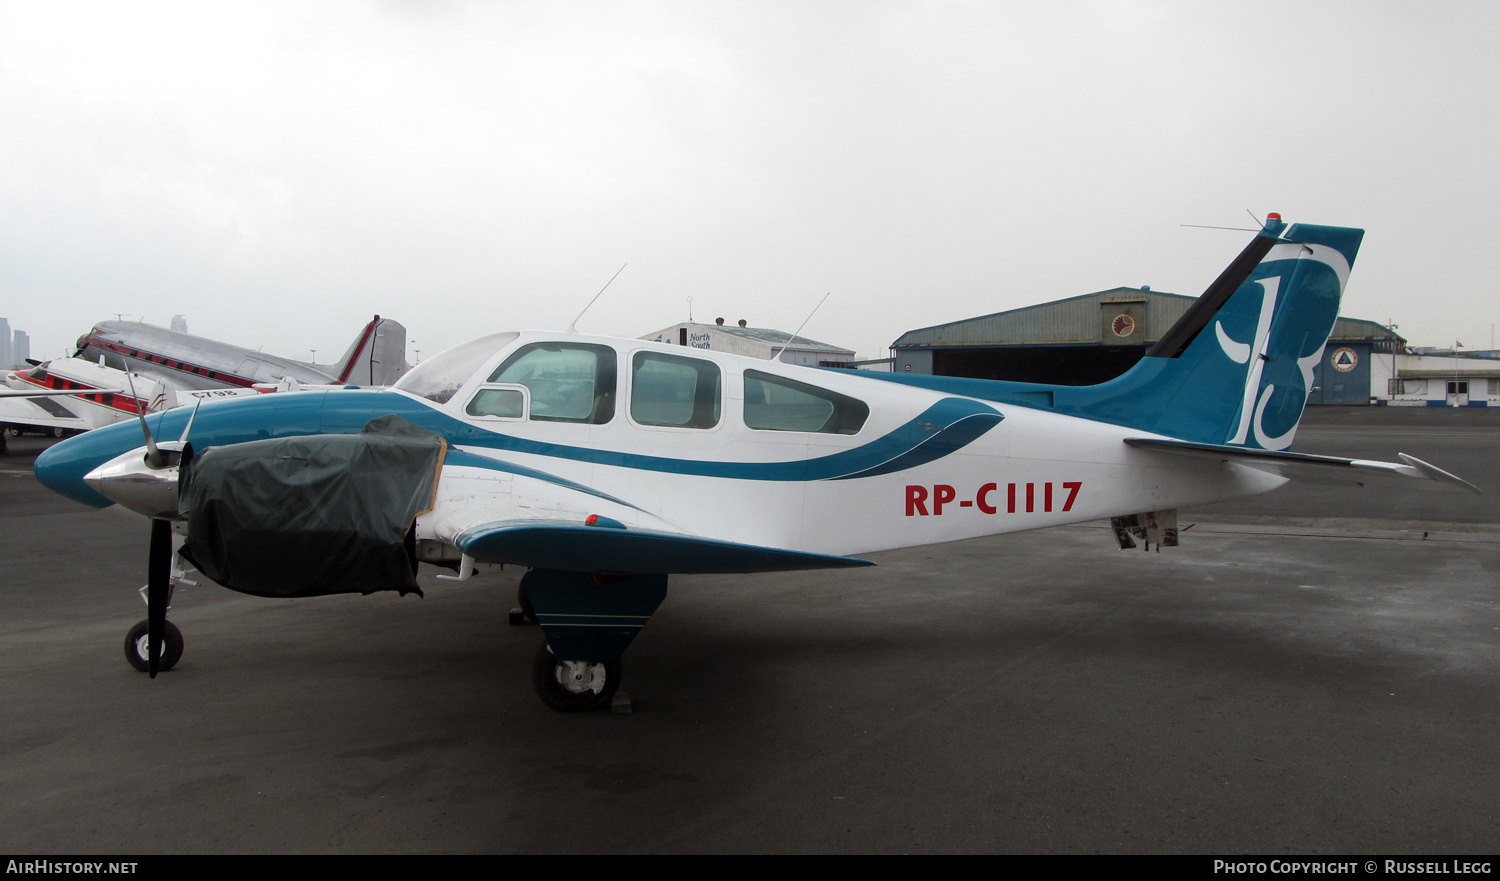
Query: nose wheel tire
[[136, 648], [574, 686]]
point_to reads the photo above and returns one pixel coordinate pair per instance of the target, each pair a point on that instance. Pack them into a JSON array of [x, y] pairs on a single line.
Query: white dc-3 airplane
[[125, 368], [606, 465]]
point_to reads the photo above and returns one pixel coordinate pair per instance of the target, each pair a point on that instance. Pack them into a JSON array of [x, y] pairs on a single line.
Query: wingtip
[[1432, 472]]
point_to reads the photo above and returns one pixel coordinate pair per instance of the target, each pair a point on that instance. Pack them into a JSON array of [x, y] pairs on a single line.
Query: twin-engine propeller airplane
[[606, 465]]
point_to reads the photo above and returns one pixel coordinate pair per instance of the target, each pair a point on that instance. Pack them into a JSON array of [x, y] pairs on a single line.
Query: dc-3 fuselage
[[607, 464]]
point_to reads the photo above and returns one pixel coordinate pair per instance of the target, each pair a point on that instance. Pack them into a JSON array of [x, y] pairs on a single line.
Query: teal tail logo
[[1238, 365], [1274, 344]]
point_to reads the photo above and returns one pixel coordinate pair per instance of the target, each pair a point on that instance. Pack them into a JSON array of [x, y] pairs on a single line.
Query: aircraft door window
[[774, 403], [505, 402], [568, 382], [673, 391]]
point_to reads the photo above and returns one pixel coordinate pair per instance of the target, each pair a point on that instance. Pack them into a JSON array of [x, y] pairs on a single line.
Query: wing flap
[[1314, 468]]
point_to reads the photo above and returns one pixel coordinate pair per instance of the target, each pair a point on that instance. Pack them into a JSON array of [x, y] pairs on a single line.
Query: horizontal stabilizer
[[549, 544], [1314, 469]]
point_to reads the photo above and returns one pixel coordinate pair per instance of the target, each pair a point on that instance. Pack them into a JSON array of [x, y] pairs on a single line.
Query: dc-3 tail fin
[[376, 357]]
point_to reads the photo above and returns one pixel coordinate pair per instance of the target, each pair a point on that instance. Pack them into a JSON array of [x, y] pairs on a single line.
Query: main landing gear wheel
[[136, 648], [574, 686]]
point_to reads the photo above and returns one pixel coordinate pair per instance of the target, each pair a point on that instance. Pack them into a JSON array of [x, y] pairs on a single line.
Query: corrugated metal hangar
[[1096, 337]]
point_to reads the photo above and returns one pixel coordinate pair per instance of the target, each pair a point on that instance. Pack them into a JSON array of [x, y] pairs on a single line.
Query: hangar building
[[1096, 337]]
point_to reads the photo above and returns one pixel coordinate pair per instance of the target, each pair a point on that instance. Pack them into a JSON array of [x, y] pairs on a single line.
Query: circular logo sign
[[1344, 359], [1123, 324]]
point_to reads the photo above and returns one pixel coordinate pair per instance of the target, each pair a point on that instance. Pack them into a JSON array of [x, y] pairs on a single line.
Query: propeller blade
[[191, 416], [154, 458], [158, 583]]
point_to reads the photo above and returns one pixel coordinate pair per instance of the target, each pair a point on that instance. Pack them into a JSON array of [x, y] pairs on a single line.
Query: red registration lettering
[[916, 500], [984, 492], [942, 494]]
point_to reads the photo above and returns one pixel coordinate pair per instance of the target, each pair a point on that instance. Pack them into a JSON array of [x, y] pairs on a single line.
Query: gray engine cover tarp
[[315, 515]]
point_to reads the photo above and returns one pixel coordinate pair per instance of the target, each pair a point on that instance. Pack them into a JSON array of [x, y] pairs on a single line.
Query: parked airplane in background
[[608, 464], [70, 395], [169, 368], [183, 361]]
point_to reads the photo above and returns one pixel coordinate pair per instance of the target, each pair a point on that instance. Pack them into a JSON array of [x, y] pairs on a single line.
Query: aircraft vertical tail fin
[[376, 357], [1238, 366]]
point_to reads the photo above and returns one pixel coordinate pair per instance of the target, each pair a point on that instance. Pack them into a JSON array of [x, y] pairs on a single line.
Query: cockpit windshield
[[438, 378]]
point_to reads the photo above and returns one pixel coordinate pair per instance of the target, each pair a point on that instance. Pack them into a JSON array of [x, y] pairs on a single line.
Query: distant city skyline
[[15, 346]]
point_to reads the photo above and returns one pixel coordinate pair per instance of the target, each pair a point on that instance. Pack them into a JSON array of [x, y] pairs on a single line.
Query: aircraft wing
[[508, 514], [21, 410], [595, 547], [1315, 469]]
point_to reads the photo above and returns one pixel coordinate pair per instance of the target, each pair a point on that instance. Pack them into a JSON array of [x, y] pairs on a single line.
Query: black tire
[[58, 432], [14, 432], [171, 648], [523, 599], [549, 675]]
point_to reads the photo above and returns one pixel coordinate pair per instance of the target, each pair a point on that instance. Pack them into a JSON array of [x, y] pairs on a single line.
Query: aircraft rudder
[[377, 357], [1248, 373]]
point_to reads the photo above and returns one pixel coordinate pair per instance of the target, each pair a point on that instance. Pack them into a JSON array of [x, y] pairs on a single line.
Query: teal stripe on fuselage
[[912, 443], [923, 439]]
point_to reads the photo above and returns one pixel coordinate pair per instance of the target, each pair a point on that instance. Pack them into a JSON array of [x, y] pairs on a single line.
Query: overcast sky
[[278, 172]]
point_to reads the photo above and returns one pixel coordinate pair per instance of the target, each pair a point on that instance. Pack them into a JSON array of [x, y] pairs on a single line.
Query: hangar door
[[1343, 377]]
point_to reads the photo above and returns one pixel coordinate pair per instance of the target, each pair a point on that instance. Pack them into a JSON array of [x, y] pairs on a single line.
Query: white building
[[756, 342], [1435, 380]]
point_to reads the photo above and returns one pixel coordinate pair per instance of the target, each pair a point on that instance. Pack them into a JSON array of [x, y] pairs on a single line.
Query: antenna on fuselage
[[778, 352], [573, 328]]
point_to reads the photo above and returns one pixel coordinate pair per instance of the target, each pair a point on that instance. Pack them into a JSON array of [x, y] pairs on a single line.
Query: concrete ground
[[1307, 674]]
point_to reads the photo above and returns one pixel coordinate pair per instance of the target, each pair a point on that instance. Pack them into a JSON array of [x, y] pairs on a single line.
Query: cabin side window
[[775, 403], [568, 382], [498, 403], [674, 391]]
